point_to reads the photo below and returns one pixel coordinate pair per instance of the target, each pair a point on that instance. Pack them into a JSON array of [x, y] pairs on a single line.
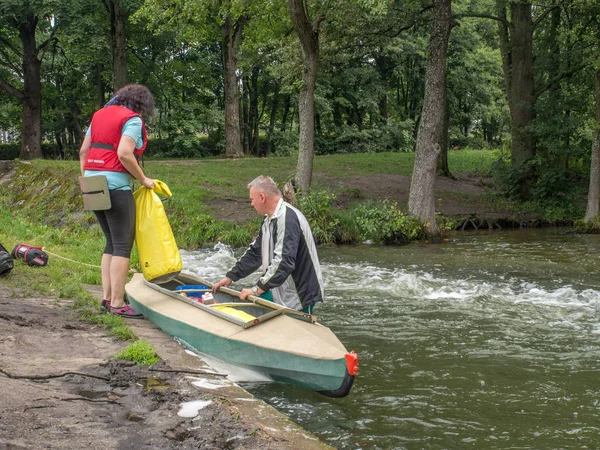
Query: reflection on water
[[487, 341]]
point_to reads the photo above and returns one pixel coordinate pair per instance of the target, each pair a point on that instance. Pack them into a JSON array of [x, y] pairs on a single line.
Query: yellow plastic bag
[[157, 249]]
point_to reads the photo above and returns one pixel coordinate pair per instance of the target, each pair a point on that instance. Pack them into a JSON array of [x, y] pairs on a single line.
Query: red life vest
[[107, 124]]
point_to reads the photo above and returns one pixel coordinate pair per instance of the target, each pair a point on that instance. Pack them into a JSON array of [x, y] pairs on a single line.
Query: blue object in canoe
[[193, 290]]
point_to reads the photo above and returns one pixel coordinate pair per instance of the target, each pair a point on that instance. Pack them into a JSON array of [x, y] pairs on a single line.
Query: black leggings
[[118, 224]]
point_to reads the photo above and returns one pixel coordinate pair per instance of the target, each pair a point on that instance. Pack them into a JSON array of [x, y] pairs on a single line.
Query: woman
[[115, 139]]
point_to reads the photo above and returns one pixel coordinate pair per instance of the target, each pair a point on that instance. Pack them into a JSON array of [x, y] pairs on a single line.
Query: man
[[285, 251]]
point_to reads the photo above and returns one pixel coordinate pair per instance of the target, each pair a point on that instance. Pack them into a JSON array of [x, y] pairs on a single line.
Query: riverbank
[[62, 389], [347, 204]]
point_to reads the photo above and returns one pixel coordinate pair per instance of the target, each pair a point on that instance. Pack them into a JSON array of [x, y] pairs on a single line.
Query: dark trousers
[[118, 224]]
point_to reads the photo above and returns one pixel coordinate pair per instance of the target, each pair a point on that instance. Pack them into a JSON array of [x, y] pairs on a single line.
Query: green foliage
[[377, 222], [555, 193], [9, 151], [385, 138], [140, 352], [316, 207], [383, 223], [285, 143]]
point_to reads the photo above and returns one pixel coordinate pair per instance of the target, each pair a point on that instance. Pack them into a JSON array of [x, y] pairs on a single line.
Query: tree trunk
[[308, 35], [245, 116], [272, 117], [593, 203], [517, 61], [287, 100], [98, 85], [382, 67], [31, 125], [231, 35], [443, 167], [118, 41], [254, 119], [421, 202]]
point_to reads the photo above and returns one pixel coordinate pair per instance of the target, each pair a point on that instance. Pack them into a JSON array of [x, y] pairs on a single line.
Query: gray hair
[[264, 184]]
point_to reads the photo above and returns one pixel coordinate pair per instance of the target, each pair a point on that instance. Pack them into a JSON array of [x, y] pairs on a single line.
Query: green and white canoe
[[286, 345]]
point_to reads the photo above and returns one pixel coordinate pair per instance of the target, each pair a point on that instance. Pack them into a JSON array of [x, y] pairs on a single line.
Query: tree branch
[[543, 15], [316, 23], [10, 45], [20, 95], [7, 63], [556, 79], [44, 45]]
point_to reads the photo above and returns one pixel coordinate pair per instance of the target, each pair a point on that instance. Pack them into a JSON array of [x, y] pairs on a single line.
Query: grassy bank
[[41, 205], [47, 193]]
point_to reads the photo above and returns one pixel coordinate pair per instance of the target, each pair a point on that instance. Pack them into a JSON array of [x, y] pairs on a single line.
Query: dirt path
[[118, 405], [461, 196]]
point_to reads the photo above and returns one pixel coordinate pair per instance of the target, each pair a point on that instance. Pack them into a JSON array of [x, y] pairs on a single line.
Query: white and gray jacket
[[286, 252]]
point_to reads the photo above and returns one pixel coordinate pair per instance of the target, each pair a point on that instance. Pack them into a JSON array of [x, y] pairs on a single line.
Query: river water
[[490, 340]]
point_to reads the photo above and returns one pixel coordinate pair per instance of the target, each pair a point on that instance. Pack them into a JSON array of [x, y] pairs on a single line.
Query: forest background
[[271, 78]]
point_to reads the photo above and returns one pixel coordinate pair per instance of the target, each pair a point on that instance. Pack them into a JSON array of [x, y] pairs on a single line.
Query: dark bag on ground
[[30, 255], [6, 261]]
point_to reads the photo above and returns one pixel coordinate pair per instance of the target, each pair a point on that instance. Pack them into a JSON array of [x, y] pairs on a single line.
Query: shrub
[[284, 143], [316, 206], [384, 223], [9, 151]]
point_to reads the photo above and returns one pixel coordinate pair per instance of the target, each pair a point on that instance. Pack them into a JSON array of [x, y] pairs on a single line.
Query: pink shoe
[[105, 305], [126, 311]]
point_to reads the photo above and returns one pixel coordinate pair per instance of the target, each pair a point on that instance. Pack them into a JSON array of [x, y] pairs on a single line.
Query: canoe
[[285, 345]]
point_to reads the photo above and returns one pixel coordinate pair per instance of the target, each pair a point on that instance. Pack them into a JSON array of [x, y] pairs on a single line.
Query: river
[[489, 340]]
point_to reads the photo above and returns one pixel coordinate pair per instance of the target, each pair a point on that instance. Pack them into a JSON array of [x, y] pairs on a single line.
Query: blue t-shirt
[[121, 180]]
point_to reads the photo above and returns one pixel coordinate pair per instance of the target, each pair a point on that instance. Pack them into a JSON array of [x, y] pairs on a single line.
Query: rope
[[71, 260]]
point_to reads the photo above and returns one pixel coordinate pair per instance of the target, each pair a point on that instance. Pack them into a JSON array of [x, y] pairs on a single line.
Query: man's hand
[[245, 293], [223, 282], [250, 291]]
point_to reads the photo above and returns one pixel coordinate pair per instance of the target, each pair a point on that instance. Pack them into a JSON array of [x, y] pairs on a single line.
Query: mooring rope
[[71, 260]]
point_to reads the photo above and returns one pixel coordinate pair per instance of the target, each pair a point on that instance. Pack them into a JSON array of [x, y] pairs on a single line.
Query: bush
[[316, 206], [384, 223], [390, 137], [182, 146], [9, 151], [284, 143]]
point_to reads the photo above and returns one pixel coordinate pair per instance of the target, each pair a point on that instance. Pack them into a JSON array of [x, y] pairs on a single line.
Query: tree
[[517, 57], [421, 202], [231, 35], [199, 22], [21, 57], [593, 203], [118, 42], [308, 34]]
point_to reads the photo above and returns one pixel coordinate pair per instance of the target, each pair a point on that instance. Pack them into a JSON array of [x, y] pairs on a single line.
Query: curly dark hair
[[136, 97]]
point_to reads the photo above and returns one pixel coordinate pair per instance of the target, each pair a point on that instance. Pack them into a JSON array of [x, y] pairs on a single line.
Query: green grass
[[60, 279], [140, 352], [48, 194], [194, 181]]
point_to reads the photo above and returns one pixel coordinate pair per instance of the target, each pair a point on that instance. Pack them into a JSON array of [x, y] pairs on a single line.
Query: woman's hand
[[148, 182]]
